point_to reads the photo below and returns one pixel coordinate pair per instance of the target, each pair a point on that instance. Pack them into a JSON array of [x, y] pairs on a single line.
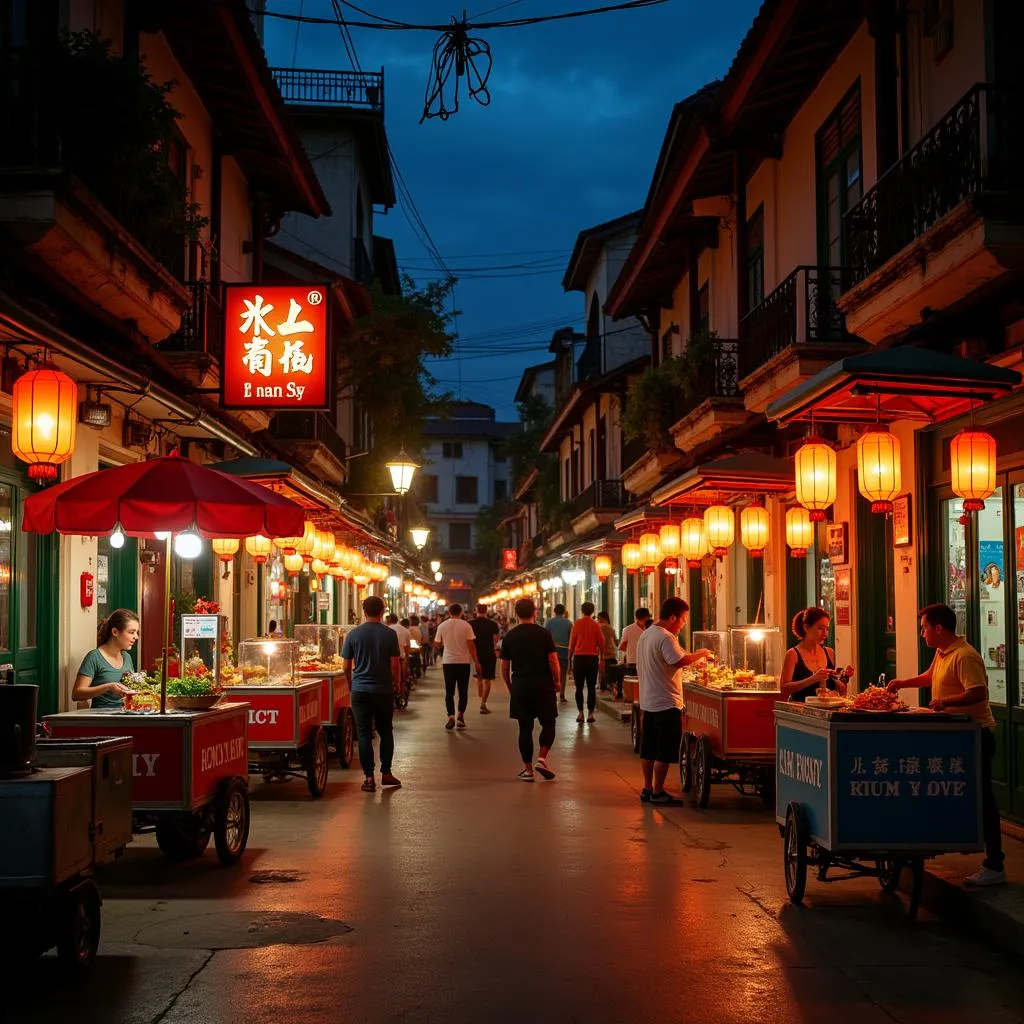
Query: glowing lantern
[[318, 566], [671, 566], [720, 528], [668, 538], [972, 459], [816, 478], [419, 536], [693, 542], [287, 545], [631, 556], [879, 473], [754, 529], [360, 579], [603, 567], [307, 542], [335, 560], [259, 547], [407, 587], [650, 551], [799, 531], [43, 420], [293, 564], [225, 550], [402, 470]]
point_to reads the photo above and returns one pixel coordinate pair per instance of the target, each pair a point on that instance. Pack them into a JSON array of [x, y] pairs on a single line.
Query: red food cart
[[728, 737], [189, 773], [336, 712]]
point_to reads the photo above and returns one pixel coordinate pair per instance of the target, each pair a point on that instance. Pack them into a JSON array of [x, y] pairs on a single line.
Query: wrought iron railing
[[600, 494], [202, 324], [973, 148], [307, 87], [362, 265], [309, 426], [589, 363], [802, 309]]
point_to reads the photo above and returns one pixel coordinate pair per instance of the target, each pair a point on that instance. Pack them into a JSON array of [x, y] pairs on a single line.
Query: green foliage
[[490, 538], [523, 446]]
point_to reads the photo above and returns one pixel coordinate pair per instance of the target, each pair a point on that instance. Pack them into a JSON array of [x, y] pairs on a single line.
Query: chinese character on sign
[[956, 766], [935, 765], [858, 766], [881, 765], [293, 325], [258, 357], [910, 766], [254, 318], [294, 359]]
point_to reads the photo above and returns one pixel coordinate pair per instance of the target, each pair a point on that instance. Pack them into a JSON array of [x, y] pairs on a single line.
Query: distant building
[[539, 381]]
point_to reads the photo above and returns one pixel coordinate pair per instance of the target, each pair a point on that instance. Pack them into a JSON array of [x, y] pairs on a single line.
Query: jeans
[[584, 671], [990, 824], [547, 737], [456, 675], [369, 710]]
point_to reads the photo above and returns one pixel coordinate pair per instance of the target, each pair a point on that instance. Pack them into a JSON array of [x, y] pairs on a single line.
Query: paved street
[[471, 896]]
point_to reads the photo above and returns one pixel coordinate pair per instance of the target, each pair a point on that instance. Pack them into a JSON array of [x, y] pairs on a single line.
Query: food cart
[[870, 793], [729, 723], [286, 735], [320, 658], [189, 773]]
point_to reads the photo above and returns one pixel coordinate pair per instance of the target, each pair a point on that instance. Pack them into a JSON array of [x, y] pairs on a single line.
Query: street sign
[[509, 560]]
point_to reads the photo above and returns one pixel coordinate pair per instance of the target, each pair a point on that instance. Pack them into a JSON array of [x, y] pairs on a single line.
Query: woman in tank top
[[809, 665]]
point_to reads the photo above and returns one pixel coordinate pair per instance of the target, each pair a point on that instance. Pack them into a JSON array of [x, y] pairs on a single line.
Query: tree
[[490, 539], [523, 446]]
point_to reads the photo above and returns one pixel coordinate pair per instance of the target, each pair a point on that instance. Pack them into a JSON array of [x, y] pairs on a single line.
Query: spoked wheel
[[231, 824], [316, 763], [79, 935], [635, 727], [182, 838], [916, 887], [685, 764], [702, 770], [889, 872], [795, 853], [345, 737]]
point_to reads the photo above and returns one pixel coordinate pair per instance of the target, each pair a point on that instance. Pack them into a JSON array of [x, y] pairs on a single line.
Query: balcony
[[596, 505], [306, 87], [315, 441], [793, 333], [84, 224], [942, 222], [362, 265], [711, 402]]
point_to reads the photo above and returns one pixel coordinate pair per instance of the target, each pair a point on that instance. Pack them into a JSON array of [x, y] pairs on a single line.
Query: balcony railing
[[362, 265], [589, 363], [801, 310], [202, 324], [306, 87], [309, 426], [970, 150], [714, 373], [601, 494]]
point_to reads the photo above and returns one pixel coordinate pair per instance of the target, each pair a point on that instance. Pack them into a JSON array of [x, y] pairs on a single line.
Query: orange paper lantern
[[44, 415], [816, 478], [972, 461]]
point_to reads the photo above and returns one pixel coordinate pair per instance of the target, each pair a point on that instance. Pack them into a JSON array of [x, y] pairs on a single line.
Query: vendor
[[99, 678], [809, 665]]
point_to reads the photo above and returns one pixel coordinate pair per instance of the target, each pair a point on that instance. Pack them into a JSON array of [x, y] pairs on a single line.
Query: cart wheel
[[316, 763], [231, 824], [795, 851], [916, 887], [889, 872], [702, 770], [685, 764], [635, 728], [182, 838], [345, 735], [79, 927]]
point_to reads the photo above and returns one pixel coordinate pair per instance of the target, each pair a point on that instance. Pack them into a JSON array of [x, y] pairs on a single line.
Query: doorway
[[876, 595]]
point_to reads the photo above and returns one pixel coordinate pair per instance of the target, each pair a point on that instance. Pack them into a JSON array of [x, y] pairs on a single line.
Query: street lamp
[[419, 536], [435, 566], [438, 576], [402, 470]]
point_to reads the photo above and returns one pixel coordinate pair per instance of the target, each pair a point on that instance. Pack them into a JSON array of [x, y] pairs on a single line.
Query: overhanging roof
[[281, 478], [705, 484], [894, 383], [587, 250]]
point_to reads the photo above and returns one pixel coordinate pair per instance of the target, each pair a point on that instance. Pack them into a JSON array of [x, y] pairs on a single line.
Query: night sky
[[577, 116]]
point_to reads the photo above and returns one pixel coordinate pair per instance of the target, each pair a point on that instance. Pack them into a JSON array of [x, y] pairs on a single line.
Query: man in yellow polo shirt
[[959, 685]]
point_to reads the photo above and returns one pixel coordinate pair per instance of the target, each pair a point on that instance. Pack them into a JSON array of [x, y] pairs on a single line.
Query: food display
[[721, 677], [756, 656], [877, 698], [266, 662], [714, 641], [319, 647]]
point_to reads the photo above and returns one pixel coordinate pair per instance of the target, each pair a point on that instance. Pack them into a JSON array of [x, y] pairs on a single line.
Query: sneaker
[[368, 786], [665, 799], [645, 796], [460, 722], [484, 709], [542, 768], [563, 700], [985, 876], [450, 724], [526, 775], [579, 718], [591, 719], [387, 779]]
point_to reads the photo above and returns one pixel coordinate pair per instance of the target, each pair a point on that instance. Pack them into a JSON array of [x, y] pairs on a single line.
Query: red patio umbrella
[[169, 495]]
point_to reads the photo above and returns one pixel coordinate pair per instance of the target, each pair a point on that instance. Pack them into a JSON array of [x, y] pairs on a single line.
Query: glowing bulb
[[757, 635], [269, 648], [188, 545], [117, 537], [162, 534]]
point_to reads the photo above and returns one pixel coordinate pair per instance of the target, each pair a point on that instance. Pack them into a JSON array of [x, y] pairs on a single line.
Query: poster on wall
[[990, 559], [842, 597]]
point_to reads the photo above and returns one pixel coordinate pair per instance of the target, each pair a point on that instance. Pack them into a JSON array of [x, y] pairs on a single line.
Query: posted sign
[[508, 560], [276, 350]]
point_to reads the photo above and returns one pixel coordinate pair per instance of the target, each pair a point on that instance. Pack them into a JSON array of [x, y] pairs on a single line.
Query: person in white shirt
[[658, 661], [630, 636], [456, 636], [404, 638]]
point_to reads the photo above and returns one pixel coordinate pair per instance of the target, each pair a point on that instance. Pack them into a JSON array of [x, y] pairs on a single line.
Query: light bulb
[[117, 537], [162, 534], [188, 545], [757, 635]]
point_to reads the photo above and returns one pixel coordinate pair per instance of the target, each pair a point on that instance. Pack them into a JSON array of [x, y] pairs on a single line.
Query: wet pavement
[[471, 896]]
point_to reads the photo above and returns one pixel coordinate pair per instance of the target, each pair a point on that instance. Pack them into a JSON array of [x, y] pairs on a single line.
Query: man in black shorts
[[530, 668], [658, 661], [486, 632]]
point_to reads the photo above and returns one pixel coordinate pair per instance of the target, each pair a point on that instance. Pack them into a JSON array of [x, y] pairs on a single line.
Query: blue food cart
[[872, 793]]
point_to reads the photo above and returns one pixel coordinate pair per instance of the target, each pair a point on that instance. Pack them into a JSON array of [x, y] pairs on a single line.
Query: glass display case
[[714, 641], [756, 656], [266, 662], [319, 647]]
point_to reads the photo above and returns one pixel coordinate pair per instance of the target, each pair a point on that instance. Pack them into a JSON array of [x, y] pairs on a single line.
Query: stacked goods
[[877, 698]]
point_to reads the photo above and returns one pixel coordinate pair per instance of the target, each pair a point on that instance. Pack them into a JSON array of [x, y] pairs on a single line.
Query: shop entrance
[[876, 595]]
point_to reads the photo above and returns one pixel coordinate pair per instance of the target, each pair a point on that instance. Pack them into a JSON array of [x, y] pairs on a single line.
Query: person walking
[[373, 668], [456, 636], [404, 647], [585, 645], [608, 650], [532, 672], [627, 643], [560, 629], [959, 684], [658, 660], [485, 633]]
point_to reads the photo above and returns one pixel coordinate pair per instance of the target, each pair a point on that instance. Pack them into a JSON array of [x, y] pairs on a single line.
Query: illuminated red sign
[[508, 559], [276, 352]]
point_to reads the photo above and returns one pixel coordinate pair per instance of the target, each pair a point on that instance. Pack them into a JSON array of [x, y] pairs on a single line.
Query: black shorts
[[662, 733], [488, 669]]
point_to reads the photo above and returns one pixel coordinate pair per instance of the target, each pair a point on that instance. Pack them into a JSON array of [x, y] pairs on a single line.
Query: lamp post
[[402, 470], [419, 536]]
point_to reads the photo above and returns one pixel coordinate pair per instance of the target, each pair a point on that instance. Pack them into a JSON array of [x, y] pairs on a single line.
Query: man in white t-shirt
[[630, 637], [404, 638], [658, 661], [456, 636]]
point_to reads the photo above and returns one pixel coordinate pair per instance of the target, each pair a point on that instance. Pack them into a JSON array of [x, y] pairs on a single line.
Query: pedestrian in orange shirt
[[585, 645]]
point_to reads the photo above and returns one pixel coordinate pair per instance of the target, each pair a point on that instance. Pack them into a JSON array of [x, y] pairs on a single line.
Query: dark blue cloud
[[576, 119]]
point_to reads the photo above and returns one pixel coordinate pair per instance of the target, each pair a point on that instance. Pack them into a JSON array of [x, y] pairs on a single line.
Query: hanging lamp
[[799, 531], [693, 541], [44, 414], [816, 477], [720, 528], [879, 469], [755, 529]]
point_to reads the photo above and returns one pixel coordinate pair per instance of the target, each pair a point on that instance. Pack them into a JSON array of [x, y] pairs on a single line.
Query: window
[[451, 449], [465, 490], [755, 259], [460, 536], [839, 176], [938, 23], [703, 305], [500, 490], [428, 488]]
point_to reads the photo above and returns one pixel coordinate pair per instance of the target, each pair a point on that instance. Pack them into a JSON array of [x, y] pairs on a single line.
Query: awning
[[706, 484], [645, 515], [894, 383]]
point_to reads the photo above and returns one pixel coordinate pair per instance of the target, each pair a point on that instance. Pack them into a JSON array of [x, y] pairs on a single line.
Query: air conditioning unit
[[137, 434]]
